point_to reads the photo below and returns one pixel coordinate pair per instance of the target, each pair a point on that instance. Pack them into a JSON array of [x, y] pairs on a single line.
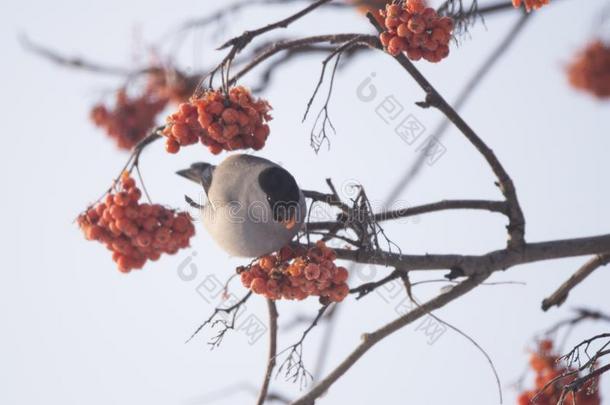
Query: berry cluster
[[547, 367], [590, 71], [220, 121], [297, 273], [130, 119], [530, 4], [417, 30], [135, 232]]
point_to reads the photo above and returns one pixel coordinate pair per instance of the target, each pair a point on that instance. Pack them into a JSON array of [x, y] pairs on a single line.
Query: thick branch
[[487, 263]]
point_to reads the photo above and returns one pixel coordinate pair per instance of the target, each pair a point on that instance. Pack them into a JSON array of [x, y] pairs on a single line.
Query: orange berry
[[415, 6], [341, 275], [267, 263], [117, 212], [121, 198], [171, 146], [259, 286], [246, 278], [312, 271], [134, 195], [144, 239], [162, 235]]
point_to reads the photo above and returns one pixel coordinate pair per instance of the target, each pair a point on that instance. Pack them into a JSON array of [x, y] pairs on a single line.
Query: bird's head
[[283, 195], [200, 173]]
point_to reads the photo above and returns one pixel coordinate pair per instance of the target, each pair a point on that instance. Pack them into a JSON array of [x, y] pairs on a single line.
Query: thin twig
[[273, 315], [370, 339], [407, 284], [228, 310], [561, 294]]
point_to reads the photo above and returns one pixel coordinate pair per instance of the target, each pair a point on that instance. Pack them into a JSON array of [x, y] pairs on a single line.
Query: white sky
[[75, 330]]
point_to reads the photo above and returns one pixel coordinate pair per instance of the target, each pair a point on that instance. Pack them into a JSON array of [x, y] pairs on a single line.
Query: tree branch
[[273, 315], [492, 206], [476, 79], [486, 263], [244, 39], [370, 339], [561, 294], [302, 43], [516, 226]]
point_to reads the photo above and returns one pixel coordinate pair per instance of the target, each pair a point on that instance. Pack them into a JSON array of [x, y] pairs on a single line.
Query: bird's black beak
[[198, 172], [191, 173]]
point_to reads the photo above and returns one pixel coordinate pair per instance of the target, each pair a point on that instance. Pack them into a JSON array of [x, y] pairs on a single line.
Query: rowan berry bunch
[[530, 4], [297, 273], [135, 232], [417, 30], [130, 119], [220, 121], [590, 70], [547, 367]]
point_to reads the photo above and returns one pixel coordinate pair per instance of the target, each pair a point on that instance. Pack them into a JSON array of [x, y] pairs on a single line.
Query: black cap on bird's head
[[200, 173], [283, 194]]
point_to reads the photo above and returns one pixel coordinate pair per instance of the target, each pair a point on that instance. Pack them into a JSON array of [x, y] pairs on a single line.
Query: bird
[[254, 206]]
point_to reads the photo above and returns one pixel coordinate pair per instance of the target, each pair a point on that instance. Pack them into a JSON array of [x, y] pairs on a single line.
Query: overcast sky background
[[75, 330]]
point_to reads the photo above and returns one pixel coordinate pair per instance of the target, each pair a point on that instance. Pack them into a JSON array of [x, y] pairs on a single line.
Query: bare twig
[[244, 39], [273, 315], [561, 294], [582, 314], [370, 339], [364, 289], [318, 139], [233, 309], [293, 366], [79, 63], [492, 206], [407, 283], [238, 43], [293, 45]]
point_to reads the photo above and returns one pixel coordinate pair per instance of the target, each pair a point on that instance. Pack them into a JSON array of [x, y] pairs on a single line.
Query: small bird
[[254, 206]]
